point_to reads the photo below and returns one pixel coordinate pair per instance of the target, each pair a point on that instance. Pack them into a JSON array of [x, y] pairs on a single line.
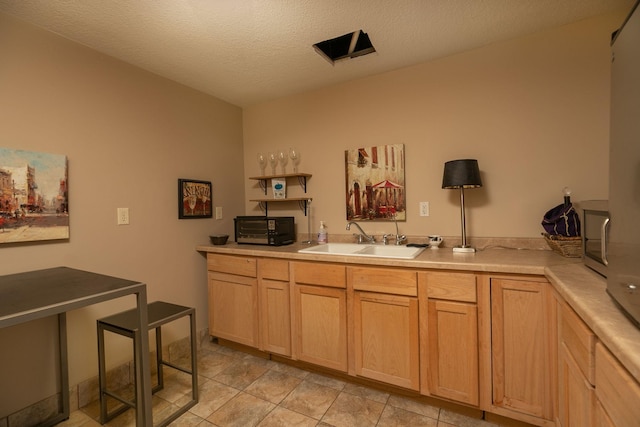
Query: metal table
[[37, 294]]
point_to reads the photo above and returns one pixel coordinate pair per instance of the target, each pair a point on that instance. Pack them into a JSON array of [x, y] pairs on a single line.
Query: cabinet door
[[453, 351], [576, 396], [320, 335], [617, 390], [601, 417], [576, 369], [275, 308], [275, 317], [522, 331], [233, 308], [386, 338]]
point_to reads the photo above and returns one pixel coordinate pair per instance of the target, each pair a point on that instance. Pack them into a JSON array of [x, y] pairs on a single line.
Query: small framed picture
[[194, 199]]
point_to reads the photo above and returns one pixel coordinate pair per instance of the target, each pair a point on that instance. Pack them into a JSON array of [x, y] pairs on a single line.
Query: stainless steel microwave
[[263, 230], [595, 234]]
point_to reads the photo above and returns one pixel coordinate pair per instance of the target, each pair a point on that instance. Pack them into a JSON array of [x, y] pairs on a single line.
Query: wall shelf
[[303, 202], [262, 180]]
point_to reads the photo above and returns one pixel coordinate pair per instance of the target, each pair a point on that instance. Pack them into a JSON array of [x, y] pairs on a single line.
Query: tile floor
[[240, 390]]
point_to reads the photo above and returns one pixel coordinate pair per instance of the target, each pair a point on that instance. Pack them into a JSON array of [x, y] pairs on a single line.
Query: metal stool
[[125, 324]]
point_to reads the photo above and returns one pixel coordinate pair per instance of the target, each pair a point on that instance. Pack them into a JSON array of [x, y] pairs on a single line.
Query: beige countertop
[[496, 260], [582, 288]]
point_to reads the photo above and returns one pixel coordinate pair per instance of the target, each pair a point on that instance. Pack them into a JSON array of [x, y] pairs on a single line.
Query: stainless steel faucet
[[400, 239], [362, 236]]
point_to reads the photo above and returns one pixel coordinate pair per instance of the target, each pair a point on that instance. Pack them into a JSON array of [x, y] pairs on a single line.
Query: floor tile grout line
[[272, 366], [305, 379]]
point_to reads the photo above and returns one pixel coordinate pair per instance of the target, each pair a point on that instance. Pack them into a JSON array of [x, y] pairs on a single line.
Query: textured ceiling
[[250, 51]]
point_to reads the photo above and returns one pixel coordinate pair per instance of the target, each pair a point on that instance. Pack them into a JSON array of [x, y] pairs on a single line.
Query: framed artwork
[[194, 199], [375, 188], [33, 196]]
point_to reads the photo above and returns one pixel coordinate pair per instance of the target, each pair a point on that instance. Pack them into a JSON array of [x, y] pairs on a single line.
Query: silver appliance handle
[[603, 241]]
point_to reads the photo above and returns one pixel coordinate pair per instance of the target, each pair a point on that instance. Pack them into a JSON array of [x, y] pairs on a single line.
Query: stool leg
[[159, 358], [194, 362], [102, 376]]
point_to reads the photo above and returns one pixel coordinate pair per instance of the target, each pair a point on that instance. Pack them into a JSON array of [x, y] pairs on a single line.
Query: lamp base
[[464, 249]]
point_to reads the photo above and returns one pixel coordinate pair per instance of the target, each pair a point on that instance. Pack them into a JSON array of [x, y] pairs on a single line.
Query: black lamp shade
[[461, 174]]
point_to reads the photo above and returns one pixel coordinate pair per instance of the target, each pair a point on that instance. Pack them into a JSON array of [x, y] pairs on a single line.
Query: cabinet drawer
[[242, 266], [274, 269], [383, 280], [579, 340], [616, 389], [332, 275], [451, 286]]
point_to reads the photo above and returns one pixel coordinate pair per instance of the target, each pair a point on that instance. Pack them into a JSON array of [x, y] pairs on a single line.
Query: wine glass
[[283, 156], [262, 161], [294, 155], [192, 203], [273, 161]]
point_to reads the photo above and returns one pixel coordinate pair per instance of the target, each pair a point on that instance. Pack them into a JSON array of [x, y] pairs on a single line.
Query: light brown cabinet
[[576, 370], [275, 306], [523, 349], [449, 333], [320, 314], [617, 391], [233, 298], [499, 342], [601, 418], [384, 313]]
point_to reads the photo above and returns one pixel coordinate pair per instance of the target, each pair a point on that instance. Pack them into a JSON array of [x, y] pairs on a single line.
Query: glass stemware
[[283, 156], [294, 155], [273, 161], [192, 200], [262, 161]]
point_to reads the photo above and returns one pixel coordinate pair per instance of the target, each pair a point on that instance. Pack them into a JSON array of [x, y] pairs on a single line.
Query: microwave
[[263, 230], [595, 235]]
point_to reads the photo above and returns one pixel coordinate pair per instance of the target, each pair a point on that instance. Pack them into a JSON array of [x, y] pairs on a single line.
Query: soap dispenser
[[322, 233]]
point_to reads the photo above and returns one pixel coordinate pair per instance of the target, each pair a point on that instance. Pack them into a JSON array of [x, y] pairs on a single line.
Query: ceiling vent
[[350, 45]]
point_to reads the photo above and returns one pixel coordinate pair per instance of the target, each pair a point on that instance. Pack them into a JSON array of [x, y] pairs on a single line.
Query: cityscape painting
[[375, 183], [33, 196]]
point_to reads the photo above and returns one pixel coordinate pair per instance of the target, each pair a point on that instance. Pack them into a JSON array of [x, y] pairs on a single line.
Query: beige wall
[[533, 111], [128, 136]]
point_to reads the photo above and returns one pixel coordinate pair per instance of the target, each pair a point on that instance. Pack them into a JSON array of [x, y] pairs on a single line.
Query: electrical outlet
[[123, 216], [424, 208], [218, 212]]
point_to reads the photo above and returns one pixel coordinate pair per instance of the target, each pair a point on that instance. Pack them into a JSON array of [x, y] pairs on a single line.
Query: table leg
[[144, 415], [64, 363]]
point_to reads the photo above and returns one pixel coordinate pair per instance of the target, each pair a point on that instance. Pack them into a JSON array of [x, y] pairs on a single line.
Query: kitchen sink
[[354, 249]]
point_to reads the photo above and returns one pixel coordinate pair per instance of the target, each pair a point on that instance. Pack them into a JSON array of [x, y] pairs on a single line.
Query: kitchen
[[523, 107]]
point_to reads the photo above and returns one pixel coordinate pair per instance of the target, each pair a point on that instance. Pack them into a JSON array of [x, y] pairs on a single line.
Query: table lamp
[[462, 174]]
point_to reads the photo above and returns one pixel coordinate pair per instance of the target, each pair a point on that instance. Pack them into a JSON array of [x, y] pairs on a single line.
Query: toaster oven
[[263, 230]]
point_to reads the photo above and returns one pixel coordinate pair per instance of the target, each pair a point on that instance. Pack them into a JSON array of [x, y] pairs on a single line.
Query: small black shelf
[[264, 202]]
